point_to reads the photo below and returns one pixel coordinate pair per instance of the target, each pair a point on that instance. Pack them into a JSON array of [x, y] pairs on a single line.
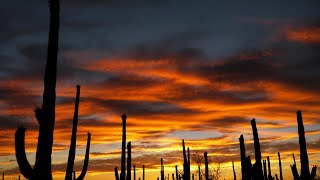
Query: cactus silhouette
[[234, 172], [265, 176], [186, 162], [72, 150], [143, 175], [123, 152], [46, 114], [280, 166], [206, 165], [244, 167], [305, 172], [116, 173], [270, 177], [129, 161], [162, 170], [257, 165]]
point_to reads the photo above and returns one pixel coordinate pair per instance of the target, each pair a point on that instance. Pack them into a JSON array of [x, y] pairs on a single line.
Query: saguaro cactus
[[134, 172], [234, 172], [269, 169], [258, 164], [123, 152], [143, 175], [46, 114], [186, 163], [72, 150], [162, 170], [280, 166], [206, 165], [305, 173], [244, 170], [129, 161], [265, 176]]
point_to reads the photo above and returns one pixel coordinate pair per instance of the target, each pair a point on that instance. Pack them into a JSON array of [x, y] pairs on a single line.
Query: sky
[[193, 70]]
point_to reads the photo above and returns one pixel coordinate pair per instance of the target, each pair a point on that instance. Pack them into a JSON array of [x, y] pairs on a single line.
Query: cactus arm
[[129, 161], [305, 172], [86, 159], [72, 150], [116, 173], [294, 171], [22, 160], [313, 172]]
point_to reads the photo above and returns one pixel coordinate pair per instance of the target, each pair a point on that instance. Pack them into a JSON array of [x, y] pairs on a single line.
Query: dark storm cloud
[[143, 108]]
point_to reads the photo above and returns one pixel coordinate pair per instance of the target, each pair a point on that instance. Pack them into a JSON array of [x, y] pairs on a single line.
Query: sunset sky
[[179, 69]]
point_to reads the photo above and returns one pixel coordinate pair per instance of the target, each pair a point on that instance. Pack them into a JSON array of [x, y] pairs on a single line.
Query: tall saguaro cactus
[[257, 164], [123, 152], [206, 165], [129, 161], [162, 170], [186, 163], [72, 150], [305, 173], [46, 114], [243, 158], [280, 166]]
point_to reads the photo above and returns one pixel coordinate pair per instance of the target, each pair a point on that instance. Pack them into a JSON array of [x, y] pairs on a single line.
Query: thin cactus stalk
[[72, 150], [192, 176], [265, 176], [305, 173], [123, 152], [173, 176], [162, 170], [2, 176], [258, 164], [276, 175], [269, 169], [129, 161], [168, 177], [186, 162], [116, 173], [74, 175], [234, 172], [280, 166], [177, 173], [45, 115], [143, 175], [206, 165], [243, 158], [134, 172], [19, 177]]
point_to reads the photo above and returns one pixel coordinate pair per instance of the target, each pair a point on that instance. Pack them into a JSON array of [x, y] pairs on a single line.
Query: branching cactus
[[305, 172], [46, 114], [72, 150], [186, 163]]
